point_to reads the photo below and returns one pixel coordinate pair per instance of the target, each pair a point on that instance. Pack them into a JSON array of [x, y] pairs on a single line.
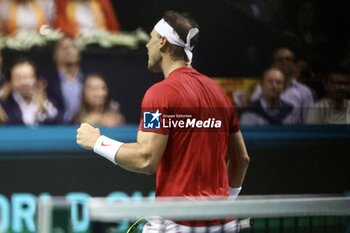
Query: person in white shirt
[[27, 103], [25, 15], [335, 108]]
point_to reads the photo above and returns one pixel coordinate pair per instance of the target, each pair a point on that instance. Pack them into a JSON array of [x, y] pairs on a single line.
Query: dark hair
[[59, 41], [22, 60], [182, 23], [279, 48], [335, 69]]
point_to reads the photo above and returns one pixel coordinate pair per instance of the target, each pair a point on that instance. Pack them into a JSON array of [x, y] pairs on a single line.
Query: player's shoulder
[[208, 80], [160, 89], [160, 94]]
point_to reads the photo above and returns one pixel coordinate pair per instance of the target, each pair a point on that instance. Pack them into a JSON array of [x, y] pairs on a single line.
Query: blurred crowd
[[69, 16], [64, 95], [295, 88], [308, 79], [282, 98]]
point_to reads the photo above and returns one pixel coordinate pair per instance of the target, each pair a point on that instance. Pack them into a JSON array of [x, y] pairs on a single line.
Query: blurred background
[[284, 64], [237, 41]]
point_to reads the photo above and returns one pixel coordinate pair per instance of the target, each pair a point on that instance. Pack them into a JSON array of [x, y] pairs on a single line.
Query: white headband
[[164, 29]]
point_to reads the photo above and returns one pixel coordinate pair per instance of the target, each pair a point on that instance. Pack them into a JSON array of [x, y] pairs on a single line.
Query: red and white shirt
[[194, 161]]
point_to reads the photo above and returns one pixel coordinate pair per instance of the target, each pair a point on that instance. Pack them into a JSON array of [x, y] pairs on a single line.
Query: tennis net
[[254, 214]]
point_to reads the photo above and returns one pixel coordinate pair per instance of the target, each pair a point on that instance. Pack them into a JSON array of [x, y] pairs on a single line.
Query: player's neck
[[169, 66]]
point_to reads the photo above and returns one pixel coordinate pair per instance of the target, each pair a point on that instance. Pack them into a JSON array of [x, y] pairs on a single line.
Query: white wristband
[[107, 148], [234, 192]]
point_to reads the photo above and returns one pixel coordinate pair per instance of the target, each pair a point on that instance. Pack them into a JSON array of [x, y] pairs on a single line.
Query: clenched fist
[[87, 136]]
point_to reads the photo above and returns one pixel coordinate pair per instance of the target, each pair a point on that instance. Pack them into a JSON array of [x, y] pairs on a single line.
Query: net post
[[44, 217]]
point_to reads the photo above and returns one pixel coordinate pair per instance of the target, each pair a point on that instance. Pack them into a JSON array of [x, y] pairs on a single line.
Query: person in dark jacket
[[28, 104]]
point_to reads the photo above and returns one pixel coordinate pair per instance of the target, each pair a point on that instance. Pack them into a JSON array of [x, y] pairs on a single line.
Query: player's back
[[194, 161]]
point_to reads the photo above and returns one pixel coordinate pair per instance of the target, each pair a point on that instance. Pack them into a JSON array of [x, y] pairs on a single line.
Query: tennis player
[[189, 131]]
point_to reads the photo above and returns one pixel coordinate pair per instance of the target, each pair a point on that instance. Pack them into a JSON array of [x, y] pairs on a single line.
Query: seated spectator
[[28, 104], [25, 15], [296, 93], [65, 81], [270, 109], [74, 16], [335, 108], [97, 108]]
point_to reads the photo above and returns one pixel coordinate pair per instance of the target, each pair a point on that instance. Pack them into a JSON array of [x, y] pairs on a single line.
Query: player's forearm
[[237, 171], [238, 160], [142, 156]]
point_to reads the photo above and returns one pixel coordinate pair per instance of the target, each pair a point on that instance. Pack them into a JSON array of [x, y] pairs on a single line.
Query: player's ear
[[163, 42]]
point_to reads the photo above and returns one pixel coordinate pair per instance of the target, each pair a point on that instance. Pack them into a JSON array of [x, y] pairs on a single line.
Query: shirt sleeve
[[231, 113], [234, 122], [155, 104]]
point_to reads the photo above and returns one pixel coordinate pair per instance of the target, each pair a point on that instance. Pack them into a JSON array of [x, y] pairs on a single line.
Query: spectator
[[270, 109], [65, 80], [28, 15], [296, 93], [74, 16], [28, 104], [335, 108], [97, 108]]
